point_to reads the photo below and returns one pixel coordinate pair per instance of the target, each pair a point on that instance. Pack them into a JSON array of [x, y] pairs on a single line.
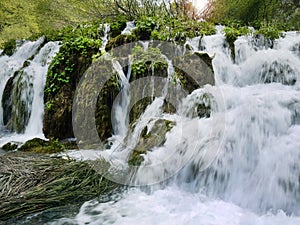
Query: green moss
[[41, 146], [169, 124], [147, 63], [120, 40], [9, 147], [136, 158]]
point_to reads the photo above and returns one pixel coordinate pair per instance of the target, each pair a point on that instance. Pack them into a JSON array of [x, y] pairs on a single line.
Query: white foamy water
[[172, 206]]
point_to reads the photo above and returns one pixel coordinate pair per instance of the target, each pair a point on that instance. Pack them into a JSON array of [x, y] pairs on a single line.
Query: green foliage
[[254, 12], [232, 33], [9, 47], [138, 68], [77, 42], [17, 20], [269, 31], [117, 25], [56, 78], [49, 104], [171, 29], [294, 20], [207, 28]]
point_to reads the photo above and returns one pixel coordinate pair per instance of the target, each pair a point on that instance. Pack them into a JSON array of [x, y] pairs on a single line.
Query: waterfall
[[22, 89], [106, 30], [9, 65], [38, 71], [241, 165], [120, 107]]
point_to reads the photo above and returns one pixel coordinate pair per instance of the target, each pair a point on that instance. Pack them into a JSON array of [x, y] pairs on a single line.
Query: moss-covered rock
[[63, 77], [149, 139], [9, 147], [70, 65], [194, 71], [41, 146], [94, 99], [120, 40]]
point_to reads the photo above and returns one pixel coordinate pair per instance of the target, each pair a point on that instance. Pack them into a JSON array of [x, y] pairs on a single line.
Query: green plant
[[269, 31], [64, 63], [49, 104], [56, 78], [117, 25], [9, 47], [232, 33], [207, 28]]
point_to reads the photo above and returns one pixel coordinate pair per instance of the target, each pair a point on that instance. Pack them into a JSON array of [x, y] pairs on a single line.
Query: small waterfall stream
[[22, 90], [9, 65]]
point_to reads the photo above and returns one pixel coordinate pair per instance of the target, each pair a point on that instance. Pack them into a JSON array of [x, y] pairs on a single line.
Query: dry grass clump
[[31, 183]]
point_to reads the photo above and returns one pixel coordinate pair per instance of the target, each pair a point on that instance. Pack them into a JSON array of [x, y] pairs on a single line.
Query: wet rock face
[[7, 101], [17, 96], [194, 71], [104, 107], [278, 72], [58, 119]]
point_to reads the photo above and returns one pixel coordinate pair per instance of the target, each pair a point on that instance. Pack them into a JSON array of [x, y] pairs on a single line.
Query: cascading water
[[106, 30], [130, 26], [252, 177], [9, 65], [120, 109], [21, 90]]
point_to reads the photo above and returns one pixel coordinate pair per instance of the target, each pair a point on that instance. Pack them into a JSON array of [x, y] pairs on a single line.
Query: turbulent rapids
[[239, 165]]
